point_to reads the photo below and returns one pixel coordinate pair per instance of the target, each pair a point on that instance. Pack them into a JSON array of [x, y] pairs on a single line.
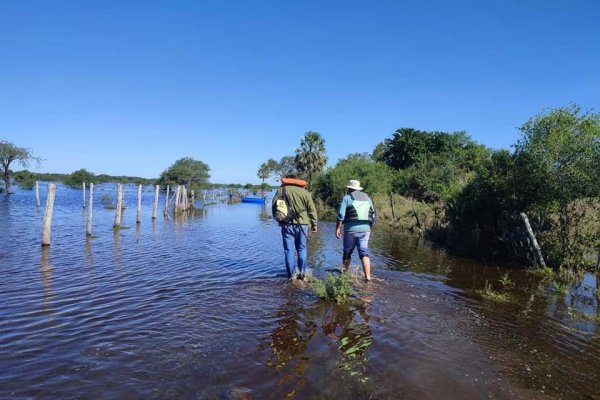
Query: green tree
[[285, 166], [76, 178], [267, 169], [185, 171], [311, 157], [375, 177], [25, 179], [558, 174], [10, 153]]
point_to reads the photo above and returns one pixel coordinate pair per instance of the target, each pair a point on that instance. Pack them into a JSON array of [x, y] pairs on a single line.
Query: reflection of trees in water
[[289, 340], [316, 255], [349, 327], [265, 214], [346, 327]]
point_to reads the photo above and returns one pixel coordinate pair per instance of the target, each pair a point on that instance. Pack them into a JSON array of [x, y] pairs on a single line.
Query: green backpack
[[282, 209]]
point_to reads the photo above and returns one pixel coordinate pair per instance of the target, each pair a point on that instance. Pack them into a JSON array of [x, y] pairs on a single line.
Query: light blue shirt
[[352, 226]]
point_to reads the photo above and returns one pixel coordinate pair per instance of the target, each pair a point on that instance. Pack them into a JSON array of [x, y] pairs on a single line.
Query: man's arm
[[312, 214], [341, 214]]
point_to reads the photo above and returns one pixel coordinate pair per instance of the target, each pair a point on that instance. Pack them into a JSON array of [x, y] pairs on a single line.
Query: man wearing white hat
[[357, 214]]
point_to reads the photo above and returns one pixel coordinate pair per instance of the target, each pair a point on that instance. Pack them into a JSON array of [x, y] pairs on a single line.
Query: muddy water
[[198, 308]]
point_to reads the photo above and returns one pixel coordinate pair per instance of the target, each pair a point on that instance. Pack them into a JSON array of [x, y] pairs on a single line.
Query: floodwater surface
[[198, 307]]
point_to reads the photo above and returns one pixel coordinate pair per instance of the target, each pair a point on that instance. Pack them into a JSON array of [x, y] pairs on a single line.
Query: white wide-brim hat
[[353, 184]]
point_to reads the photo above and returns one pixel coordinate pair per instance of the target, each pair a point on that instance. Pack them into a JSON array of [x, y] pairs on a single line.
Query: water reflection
[[46, 270]]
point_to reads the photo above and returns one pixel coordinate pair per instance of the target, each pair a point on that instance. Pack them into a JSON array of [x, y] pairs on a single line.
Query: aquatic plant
[[506, 282], [334, 287], [546, 274], [487, 293]]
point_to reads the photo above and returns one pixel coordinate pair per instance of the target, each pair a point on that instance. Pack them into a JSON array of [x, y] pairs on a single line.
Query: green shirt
[[301, 202]]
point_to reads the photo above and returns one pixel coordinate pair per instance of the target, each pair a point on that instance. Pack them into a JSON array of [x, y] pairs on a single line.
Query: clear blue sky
[[128, 87]]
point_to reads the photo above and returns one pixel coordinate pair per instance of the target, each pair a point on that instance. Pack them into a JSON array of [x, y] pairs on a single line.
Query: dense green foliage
[[76, 178], [25, 179], [185, 171], [375, 177], [477, 194]]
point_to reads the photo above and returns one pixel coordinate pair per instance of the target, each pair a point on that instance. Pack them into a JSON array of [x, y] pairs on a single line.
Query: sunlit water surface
[[197, 307]]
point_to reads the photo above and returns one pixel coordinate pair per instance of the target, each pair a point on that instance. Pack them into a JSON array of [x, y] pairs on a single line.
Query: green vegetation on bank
[[469, 197]]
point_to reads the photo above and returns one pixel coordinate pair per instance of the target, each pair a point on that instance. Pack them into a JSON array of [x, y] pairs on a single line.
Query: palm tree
[[311, 156]]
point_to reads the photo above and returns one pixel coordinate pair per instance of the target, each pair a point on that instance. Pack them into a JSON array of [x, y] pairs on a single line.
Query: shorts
[[359, 240]]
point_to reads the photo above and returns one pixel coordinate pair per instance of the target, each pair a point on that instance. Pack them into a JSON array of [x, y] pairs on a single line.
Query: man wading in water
[[294, 210], [357, 213]]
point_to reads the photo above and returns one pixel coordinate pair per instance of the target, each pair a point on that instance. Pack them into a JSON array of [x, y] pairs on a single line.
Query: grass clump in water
[[333, 288], [487, 293]]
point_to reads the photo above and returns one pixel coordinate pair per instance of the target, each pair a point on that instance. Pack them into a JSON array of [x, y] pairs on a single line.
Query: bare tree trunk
[[37, 193], [155, 207], [193, 199], [536, 246], [83, 195], [88, 229], [139, 205], [119, 211], [392, 205], [7, 179], [598, 262], [47, 223]]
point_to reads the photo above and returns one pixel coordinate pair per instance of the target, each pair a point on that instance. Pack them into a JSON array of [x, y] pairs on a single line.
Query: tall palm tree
[[311, 156]]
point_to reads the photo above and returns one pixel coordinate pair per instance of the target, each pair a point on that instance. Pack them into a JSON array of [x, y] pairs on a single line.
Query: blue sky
[[128, 87]]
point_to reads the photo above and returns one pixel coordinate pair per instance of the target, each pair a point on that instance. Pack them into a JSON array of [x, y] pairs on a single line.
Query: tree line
[[473, 194]]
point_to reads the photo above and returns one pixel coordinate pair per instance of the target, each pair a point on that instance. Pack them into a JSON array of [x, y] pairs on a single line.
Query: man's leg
[[301, 235], [349, 244], [363, 252], [366, 263], [288, 247]]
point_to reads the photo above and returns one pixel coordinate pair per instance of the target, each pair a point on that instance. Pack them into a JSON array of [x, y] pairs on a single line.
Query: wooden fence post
[[536, 246], [155, 207], [166, 210], [83, 195], [392, 205], [37, 193], [139, 205], [119, 211], [47, 223], [88, 229]]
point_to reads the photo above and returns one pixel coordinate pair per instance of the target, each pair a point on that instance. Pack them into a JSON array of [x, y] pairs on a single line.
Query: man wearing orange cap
[[294, 229]]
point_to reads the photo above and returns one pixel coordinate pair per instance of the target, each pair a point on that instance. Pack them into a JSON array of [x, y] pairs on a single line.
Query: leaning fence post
[[155, 207], [88, 229], [536, 246], [37, 193], [118, 213], [83, 195], [139, 205], [47, 223]]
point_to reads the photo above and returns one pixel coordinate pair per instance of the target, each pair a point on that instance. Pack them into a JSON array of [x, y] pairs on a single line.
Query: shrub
[[333, 288]]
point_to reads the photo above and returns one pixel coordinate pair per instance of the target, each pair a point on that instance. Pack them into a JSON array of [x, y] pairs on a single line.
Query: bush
[[333, 288]]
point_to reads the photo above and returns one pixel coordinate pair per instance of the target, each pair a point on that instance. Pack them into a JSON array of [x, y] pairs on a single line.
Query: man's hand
[[338, 232], [313, 229]]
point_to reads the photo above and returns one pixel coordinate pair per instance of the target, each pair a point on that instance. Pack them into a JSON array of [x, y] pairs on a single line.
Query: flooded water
[[198, 307]]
